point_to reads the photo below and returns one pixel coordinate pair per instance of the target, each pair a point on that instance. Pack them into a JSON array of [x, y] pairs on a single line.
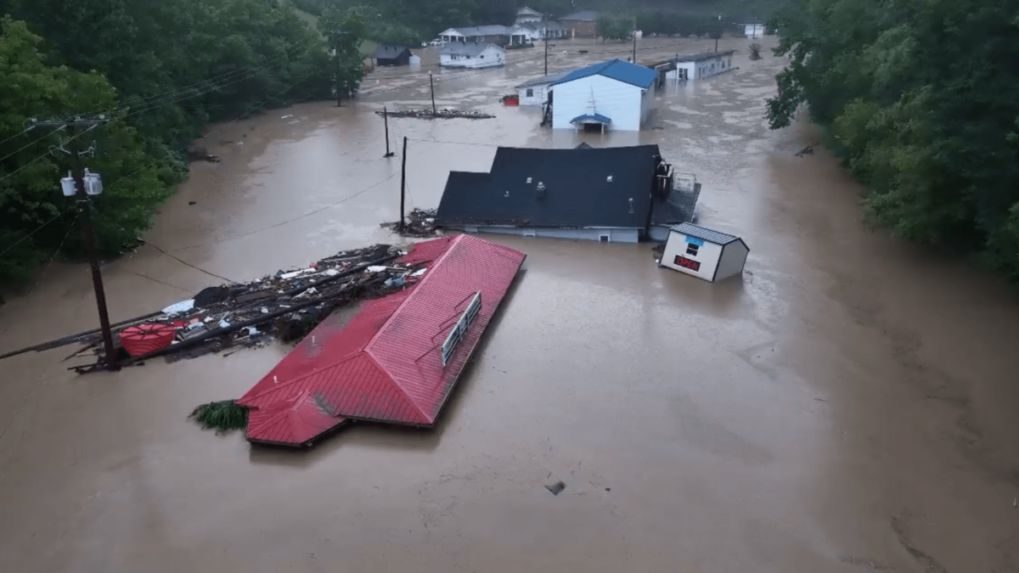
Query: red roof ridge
[[456, 240], [394, 383], [293, 381], [367, 347]]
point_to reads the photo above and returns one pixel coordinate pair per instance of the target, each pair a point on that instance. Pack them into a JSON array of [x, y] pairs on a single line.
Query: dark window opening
[[592, 128], [604, 238], [692, 249], [530, 93]]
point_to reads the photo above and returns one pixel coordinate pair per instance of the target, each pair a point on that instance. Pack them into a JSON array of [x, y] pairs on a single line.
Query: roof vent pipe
[[631, 205]]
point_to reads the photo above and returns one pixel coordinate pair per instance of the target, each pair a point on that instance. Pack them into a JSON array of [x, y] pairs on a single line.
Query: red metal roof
[[385, 364]]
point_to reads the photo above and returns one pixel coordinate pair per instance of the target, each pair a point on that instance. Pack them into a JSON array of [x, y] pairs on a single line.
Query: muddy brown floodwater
[[849, 405]]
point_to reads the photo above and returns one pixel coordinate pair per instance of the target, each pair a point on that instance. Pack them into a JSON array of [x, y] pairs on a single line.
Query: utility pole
[[431, 81], [385, 117], [546, 51], [84, 215], [336, 58], [635, 42], [403, 182]]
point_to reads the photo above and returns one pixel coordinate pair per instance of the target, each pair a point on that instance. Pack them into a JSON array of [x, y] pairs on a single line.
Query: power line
[[185, 263], [26, 237], [170, 101], [55, 253], [288, 221], [212, 83], [30, 144], [27, 129], [12, 173]]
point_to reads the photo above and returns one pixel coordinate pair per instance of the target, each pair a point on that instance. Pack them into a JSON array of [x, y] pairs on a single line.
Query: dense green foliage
[[221, 416], [920, 99], [160, 71]]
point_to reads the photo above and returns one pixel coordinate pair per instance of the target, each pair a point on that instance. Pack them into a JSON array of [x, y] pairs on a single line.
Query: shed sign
[[694, 241], [460, 329]]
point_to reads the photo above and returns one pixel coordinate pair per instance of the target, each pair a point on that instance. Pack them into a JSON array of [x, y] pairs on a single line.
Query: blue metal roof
[[589, 117], [618, 70]]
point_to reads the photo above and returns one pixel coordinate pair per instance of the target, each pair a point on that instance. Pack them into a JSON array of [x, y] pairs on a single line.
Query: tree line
[[920, 99], [158, 72]]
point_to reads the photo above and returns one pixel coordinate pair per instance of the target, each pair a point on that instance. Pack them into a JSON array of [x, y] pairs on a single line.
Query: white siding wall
[[734, 256], [538, 96], [647, 102], [493, 56], [754, 30], [619, 101], [707, 255]]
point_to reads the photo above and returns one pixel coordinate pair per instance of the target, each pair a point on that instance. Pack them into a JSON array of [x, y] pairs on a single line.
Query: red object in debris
[[398, 358], [145, 338], [511, 101]]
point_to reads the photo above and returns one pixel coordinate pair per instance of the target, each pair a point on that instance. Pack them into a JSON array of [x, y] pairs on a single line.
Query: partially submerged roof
[[386, 363], [468, 49], [704, 56], [585, 16], [607, 187], [545, 80], [591, 118], [388, 52], [492, 30], [691, 230], [617, 70]]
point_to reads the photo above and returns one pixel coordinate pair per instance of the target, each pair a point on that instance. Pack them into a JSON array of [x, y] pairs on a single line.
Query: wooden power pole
[[385, 117], [431, 81], [75, 128], [403, 182]]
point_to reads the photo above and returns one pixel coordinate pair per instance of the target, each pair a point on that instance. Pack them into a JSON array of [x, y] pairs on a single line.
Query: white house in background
[[535, 92], [697, 66], [704, 253], [526, 15], [753, 30], [495, 34], [457, 55], [546, 30], [752, 26], [613, 95], [522, 34]]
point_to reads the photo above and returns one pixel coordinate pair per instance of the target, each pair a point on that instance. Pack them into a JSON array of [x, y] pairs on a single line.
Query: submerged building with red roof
[[398, 358]]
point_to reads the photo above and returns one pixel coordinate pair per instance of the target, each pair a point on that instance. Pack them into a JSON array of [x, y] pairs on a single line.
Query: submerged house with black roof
[[609, 194]]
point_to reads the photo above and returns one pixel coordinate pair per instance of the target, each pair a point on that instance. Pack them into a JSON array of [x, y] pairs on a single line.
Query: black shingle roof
[[578, 192], [716, 237]]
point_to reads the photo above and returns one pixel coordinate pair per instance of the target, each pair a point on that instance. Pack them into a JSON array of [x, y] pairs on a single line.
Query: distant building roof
[[618, 70], [591, 118], [699, 232], [468, 49], [388, 52], [704, 56], [493, 30], [585, 16], [527, 11], [545, 80], [607, 187]]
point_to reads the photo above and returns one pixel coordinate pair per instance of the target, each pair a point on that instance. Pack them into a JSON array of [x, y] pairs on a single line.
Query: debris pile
[[285, 306], [420, 223], [444, 113]]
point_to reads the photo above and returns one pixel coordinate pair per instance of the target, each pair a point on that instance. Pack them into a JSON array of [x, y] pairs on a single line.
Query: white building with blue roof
[[613, 95]]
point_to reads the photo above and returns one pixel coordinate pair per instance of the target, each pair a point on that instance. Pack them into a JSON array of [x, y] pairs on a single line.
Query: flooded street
[[847, 406]]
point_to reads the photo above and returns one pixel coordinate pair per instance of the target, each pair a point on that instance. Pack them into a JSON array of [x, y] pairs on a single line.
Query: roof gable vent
[[541, 190]]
